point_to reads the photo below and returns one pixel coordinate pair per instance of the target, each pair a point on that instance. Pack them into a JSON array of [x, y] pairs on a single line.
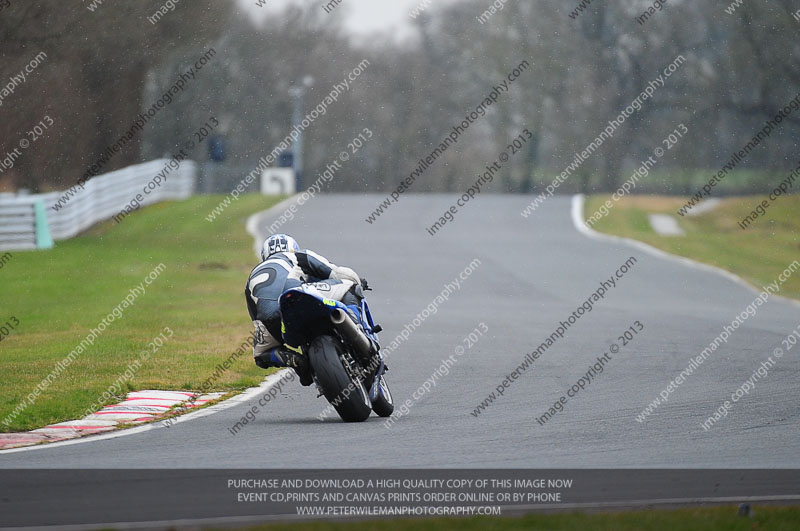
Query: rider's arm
[[251, 305], [318, 266]]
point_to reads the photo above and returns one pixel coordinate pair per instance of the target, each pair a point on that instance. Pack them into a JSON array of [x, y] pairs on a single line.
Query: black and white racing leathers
[[283, 271]]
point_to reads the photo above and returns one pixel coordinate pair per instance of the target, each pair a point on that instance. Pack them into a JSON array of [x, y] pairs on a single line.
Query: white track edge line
[[577, 220], [252, 221], [265, 386]]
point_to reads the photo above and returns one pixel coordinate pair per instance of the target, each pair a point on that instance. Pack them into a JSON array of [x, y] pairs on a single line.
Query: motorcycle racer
[[284, 266]]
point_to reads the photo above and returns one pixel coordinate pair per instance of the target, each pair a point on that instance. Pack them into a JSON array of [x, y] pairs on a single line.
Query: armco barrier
[[29, 222]]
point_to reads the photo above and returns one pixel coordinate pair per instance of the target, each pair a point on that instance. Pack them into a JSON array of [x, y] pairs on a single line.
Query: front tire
[[349, 398], [383, 405]]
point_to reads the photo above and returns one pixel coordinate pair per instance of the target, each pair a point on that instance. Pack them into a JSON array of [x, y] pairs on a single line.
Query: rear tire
[[349, 398]]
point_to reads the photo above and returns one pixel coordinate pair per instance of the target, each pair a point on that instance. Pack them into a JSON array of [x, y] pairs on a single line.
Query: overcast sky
[[362, 16]]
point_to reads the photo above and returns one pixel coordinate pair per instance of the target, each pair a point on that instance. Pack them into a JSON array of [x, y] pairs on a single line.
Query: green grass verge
[[59, 295], [758, 254], [697, 519]]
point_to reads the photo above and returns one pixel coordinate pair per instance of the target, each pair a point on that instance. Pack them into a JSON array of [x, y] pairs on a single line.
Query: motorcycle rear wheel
[[349, 398]]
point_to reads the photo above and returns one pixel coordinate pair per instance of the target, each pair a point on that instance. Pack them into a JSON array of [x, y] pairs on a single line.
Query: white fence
[[28, 222]]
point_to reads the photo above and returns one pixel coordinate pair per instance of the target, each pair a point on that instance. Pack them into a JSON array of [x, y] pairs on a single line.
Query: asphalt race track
[[532, 274]]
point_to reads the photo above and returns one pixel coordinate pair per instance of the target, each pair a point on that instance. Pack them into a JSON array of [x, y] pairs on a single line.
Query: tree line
[[738, 70]]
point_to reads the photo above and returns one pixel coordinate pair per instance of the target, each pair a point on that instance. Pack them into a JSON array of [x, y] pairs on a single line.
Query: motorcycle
[[346, 368]]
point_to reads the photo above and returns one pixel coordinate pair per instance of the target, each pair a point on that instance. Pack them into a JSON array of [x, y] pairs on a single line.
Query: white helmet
[[278, 243]]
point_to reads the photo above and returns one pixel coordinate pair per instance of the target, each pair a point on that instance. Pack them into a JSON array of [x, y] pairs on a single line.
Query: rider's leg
[[353, 296], [263, 341], [283, 357], [270, 352]]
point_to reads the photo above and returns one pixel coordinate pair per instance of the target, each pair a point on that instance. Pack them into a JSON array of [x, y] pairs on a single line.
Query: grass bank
[[758, 254], [58, 296], [695, 519]]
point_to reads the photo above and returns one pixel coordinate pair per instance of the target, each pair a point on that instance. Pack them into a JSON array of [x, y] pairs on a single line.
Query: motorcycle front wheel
[[383, 405]]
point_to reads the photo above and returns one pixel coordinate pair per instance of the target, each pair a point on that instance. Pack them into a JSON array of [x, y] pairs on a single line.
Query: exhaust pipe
[[350, 331]]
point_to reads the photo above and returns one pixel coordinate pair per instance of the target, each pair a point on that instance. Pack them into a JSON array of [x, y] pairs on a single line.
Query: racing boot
[[283, 357]]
